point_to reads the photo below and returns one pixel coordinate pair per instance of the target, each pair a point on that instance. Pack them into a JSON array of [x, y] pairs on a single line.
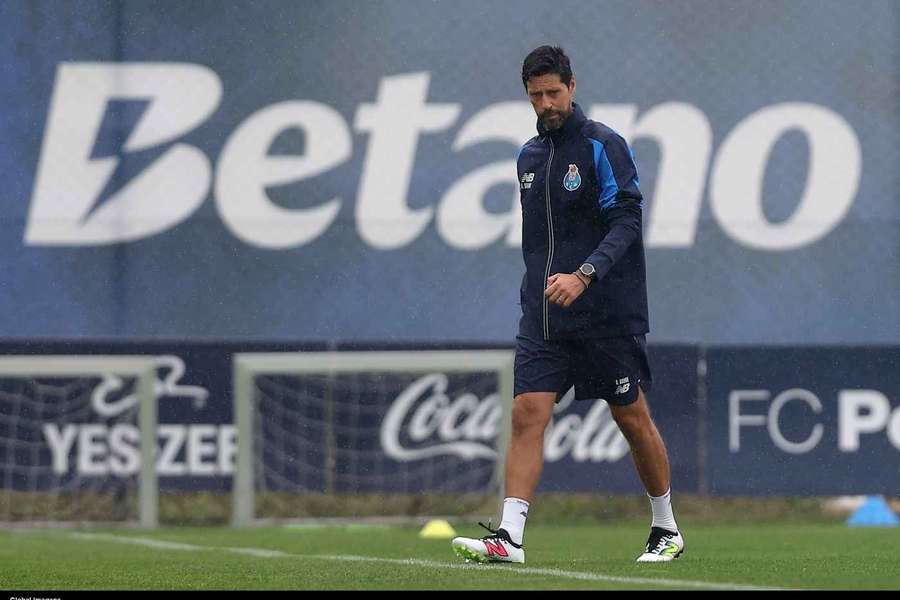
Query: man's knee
[[633, 418], [531, 412]]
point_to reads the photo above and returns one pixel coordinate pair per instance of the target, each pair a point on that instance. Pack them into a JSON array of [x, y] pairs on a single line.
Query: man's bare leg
[[652, 462], [525, 458], [647, 447]]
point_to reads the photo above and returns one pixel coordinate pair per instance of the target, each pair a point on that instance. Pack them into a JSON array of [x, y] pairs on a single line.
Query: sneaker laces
[[499, 534], [657, 539]]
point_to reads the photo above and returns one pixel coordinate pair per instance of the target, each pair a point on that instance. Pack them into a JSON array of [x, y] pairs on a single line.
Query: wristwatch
[[588, 270]]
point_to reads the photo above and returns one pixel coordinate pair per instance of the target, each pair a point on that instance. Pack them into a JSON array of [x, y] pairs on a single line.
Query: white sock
[[515, 511], [662, 511]]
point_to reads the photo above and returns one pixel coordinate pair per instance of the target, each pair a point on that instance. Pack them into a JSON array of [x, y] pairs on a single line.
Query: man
[[584, 304]]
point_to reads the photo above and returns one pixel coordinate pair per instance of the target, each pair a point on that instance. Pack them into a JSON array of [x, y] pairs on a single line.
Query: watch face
[[587, 270]]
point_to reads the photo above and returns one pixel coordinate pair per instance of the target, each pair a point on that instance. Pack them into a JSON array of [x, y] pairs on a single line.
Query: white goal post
[[28, 406], [292, 406]]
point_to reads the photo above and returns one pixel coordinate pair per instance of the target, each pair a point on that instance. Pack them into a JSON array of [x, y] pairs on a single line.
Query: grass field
[[381, 557]]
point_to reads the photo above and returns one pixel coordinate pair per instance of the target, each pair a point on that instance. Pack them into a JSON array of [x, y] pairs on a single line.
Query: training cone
[[874, 512], [437, 529]]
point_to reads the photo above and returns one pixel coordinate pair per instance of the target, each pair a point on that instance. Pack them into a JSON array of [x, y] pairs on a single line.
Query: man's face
[[551, 99]]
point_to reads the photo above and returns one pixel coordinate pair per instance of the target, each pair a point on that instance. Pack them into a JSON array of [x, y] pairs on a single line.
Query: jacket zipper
[[550, 233]]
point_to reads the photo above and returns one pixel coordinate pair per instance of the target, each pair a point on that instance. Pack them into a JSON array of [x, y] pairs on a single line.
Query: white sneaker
[[497, 547], [662, 546]]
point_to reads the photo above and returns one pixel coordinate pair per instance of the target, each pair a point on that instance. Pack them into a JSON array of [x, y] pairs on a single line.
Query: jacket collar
[[572, 124]]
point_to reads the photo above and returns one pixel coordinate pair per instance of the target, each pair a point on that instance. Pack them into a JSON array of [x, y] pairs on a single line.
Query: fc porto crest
[[572, 180]]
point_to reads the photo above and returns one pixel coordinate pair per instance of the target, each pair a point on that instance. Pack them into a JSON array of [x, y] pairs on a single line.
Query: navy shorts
[[607, 368]]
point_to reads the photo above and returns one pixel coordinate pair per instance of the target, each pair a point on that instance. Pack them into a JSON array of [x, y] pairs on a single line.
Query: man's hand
[[564, 289]]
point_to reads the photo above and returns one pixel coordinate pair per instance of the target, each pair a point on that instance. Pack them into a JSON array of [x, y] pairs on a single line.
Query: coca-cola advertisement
[[415, 431]]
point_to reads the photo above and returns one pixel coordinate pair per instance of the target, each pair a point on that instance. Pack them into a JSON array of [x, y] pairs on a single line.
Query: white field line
[[264, 553]]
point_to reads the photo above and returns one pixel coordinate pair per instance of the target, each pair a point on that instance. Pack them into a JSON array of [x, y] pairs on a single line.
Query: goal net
[[352, 434], [77, 439]]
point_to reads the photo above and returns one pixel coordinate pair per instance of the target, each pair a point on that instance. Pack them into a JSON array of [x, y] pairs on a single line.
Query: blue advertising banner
[[347, 433], [772, 421], [88, 429], [803, 421], [380, 432], [345, 170]]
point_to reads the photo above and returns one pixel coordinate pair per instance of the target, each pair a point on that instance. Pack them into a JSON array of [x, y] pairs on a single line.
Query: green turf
[[773, 555]]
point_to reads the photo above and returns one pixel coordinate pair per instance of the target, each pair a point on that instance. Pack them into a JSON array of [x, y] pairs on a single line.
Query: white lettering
[[105, 407], [684, 137], [775, 412], [167, 387], [69, 181], [427, 419], [199, 449], [60, 445], [92, 452], [860, 411], [594, 437], [394, 122], [173, 437], [67, 208], [462, 221], [451, 428], [894, 429], [101, 450], [439, 425], [227, 449], [600, 438], [736, 419], [124, 444], [170, 385], [246, 169], [835, 161], [560, 437], [484, 422], [428, 416]]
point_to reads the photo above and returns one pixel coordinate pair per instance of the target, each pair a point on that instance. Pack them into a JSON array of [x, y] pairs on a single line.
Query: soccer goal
[[77, 440], [380, 434]]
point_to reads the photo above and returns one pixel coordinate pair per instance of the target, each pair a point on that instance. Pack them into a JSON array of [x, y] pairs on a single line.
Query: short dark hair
[[545, 60]]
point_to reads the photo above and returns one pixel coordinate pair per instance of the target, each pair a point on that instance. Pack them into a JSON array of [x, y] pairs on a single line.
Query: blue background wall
[[674, 66]]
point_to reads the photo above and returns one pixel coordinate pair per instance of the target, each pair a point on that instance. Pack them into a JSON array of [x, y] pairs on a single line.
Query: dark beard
[[557, 123]]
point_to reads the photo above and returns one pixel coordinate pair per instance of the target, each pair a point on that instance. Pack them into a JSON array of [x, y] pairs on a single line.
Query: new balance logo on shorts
[[622, 386]]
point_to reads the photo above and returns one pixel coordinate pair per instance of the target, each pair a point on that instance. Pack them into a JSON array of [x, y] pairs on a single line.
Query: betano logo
[[69, 206]]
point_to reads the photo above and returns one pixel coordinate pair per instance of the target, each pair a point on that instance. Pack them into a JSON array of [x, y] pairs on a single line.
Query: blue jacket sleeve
[[624, 221], [620, 202]]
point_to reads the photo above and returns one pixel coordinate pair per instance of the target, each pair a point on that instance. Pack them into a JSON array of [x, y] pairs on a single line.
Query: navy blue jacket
[[578, 187]]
